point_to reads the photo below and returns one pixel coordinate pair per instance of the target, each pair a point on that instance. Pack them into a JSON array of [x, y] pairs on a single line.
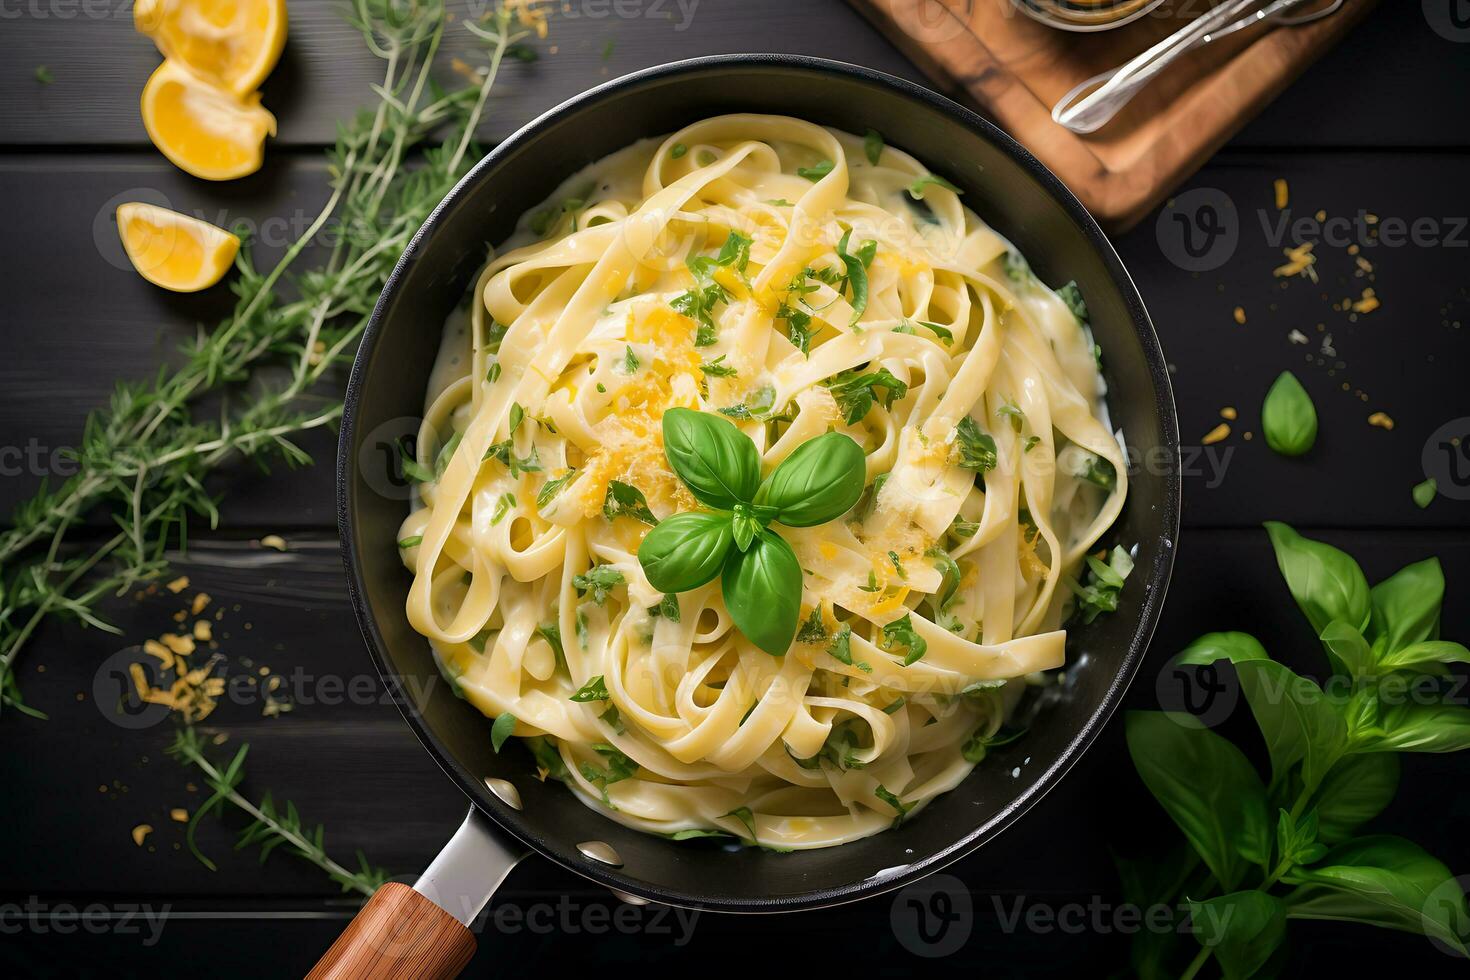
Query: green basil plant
[[1257, 852], [759, 574]]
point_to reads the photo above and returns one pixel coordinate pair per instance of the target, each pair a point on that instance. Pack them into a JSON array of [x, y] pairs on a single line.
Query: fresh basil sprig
[[760, 576], [1291, 846]]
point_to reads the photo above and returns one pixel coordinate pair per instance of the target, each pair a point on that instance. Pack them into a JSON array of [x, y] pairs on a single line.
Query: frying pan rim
[[520, 826]]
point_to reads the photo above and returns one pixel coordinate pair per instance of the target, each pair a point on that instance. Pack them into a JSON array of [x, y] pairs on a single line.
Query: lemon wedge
[[233, 44], [173, 250], [204, 130]]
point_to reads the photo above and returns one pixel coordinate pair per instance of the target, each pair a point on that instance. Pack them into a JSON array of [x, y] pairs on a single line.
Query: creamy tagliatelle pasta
[[795, 280]]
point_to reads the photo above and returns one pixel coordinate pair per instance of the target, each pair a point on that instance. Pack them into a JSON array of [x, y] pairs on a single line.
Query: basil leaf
[[1072, 296], [594, 690], [547, 756], [918, 187], [1347, 649], [1411, 727], [817, 483], [1325, 582], [873, 146], [1406, 605], [1206, 786], [717, 461], [901, 635], [977, 449], [599, 580], [857, 274], [1355, 791], [685, 551], [1242, 929], [1288, 418], [504, 725], [899, 806], [1422, 657], [855, 393], [1383, 881], [762, 589], [1297, 721], [1423, 493], [627, 500], [817, 172]]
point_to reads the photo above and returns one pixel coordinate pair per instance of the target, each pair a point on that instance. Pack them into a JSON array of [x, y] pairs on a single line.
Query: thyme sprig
[[146, 456], [270, 827]]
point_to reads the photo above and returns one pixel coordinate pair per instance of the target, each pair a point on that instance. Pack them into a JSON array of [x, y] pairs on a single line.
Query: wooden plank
[[79, 326], [356, 768], [100, 64]]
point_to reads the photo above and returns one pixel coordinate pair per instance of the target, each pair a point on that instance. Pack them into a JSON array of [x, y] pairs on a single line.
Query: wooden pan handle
[[398, 933]]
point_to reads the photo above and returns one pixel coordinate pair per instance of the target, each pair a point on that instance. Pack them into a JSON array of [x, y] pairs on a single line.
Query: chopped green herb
[[547, 757], [626, 500], [678, 150], [918, 187], [1424, 492], [1072, 296], [1099, 472], [943, 333], [1012, 412], [706, 157], [857, 272], [718, 369], [817, 172], [814, 629], [412, 468], [898, 805], [1104, 583], [599, 580], [412, 542], [629, 363], [873, 146], [854, 392], [551, 488], [977, 449], [501, 730], [900, 635], [594, 690], [43, 75], [502, 505], [1018, 270]]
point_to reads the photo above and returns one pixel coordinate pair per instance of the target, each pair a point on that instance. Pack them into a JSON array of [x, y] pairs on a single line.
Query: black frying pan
[[1011, 191]]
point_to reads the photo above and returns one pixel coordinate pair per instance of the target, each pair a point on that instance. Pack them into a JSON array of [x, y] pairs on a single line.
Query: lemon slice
[[173, 250], [204, 130], [232, 43]]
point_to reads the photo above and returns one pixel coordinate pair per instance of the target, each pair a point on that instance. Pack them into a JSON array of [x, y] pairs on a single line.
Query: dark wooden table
[[1378, 127]]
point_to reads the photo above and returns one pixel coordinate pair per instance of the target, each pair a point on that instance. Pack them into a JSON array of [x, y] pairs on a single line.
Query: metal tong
[[1092, 104]]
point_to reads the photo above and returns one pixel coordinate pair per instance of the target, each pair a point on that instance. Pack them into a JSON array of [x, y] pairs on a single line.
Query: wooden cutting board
[[988, 53]]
